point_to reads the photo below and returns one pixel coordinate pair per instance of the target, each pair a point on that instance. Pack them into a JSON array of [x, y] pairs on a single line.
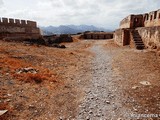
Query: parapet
[[17, 22], [142, 20]]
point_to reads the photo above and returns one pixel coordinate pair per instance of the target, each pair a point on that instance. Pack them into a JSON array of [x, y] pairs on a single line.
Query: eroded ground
[[94, 80]]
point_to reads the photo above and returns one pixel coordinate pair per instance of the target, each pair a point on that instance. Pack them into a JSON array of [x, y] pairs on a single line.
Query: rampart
[[142, 20], [144, 27], [15, 28], [98, 35]]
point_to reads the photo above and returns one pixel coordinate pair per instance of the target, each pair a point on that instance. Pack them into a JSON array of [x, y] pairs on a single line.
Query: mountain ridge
[[71, 29]]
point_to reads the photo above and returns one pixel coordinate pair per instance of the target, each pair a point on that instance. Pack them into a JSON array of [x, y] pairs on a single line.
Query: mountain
[[70, 29]]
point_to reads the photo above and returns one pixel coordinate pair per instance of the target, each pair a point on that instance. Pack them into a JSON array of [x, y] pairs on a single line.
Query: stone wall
[[98, 35], [150, 36], [132, 21], [14, 28], [152, 19], [122, 37], [126, 22], [142, 20]]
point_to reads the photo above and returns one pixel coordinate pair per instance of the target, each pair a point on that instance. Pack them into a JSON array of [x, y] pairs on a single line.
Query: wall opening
[[150, 17], [159, 15], [155, 14], [146, 17]]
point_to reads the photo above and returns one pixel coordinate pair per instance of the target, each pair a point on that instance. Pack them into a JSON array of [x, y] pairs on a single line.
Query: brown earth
[[57, 89]]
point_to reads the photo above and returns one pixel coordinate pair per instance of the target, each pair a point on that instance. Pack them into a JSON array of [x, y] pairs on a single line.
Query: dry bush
[[11, 65], [37, 78]]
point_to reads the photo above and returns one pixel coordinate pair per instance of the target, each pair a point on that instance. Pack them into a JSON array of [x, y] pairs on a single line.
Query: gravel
[[103, 98]]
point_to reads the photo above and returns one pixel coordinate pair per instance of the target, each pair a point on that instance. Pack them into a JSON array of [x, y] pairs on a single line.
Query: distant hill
[[70, 29]]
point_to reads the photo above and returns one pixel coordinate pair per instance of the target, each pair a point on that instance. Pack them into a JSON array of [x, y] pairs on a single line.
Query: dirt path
[[103, 99]]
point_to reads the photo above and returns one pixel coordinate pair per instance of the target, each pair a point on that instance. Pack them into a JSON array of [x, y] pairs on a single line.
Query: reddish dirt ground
[[57, 89], [54, 94]]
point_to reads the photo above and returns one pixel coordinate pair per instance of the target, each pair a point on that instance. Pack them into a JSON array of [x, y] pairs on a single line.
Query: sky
[[101, 13]]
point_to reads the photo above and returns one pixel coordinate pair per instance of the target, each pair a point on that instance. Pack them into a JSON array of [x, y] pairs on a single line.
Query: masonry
[[134, 28], [98, 35], [18, 29]]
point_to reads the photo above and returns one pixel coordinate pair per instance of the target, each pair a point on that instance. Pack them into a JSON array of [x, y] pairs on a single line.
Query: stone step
[[138, 42], [140, 47], [136, 36], [137, 39]]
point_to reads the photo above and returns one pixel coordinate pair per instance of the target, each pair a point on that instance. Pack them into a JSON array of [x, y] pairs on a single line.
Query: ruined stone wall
[[15, 27], [126, 22], [132, 21], [122, 37], [150, 36], [142, 20], [98, 35], [152, 19]]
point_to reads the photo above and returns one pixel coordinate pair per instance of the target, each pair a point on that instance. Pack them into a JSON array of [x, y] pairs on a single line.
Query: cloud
[[1, 2], [104, 13]]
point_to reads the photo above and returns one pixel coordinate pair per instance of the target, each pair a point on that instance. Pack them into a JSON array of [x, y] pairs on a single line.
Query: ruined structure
[[98, 35], [16, 29], [51, 39], [139, 31]]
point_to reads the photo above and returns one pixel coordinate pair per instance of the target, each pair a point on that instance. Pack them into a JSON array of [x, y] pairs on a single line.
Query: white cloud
[[107, 13]]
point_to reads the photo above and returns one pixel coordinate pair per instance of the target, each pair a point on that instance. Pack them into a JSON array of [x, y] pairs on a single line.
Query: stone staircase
[[138, 43]]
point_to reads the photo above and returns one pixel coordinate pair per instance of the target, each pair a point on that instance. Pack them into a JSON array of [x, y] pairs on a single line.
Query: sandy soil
[[94, 80]]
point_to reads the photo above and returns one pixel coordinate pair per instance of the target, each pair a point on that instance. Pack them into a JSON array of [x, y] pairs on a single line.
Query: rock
[[27, 70], [58, 46], [9, 95], [146, 83], [108, 102], [8, 100], [135, 87], [62, 46], [119, 119], [60, 118], [3, 112]]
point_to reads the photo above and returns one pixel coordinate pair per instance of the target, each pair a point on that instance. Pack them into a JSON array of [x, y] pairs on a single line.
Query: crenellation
[[31, 24], [17, 22], [5, 21], [11, 22], [13, 27], [141, 20], [23, 23]]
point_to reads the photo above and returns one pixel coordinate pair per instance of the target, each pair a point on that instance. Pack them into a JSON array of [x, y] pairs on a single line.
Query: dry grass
[[11, 65], [44, 90]]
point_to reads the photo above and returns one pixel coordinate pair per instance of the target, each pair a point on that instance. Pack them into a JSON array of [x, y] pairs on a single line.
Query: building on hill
[[140, 31], [16, 29]]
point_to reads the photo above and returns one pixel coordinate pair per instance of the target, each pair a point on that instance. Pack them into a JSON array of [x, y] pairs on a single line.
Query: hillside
[[70, 29]]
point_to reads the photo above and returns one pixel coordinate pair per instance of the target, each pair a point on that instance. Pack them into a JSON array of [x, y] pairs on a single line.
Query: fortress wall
[[17, 22], [10, 29], [31, 24], [96, 35], [152, 19], [150, 36], [122, 37], [126, 22], [15, 27], [143, 20]]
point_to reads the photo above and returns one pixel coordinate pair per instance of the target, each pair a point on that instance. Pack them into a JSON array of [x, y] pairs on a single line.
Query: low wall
[[150, 36], [122, 37], [100, 35]]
